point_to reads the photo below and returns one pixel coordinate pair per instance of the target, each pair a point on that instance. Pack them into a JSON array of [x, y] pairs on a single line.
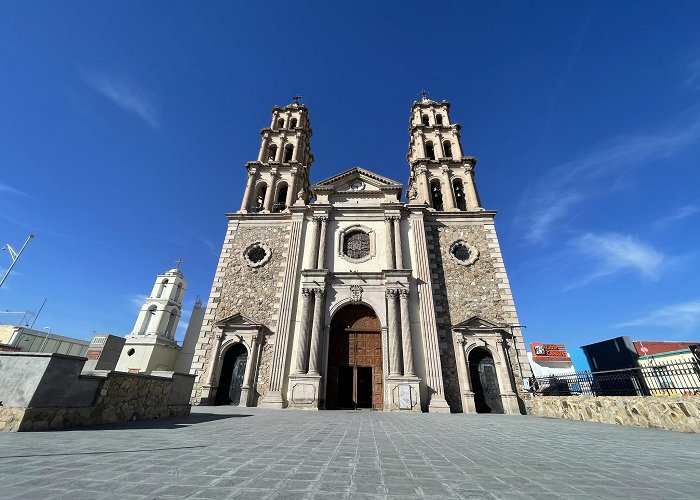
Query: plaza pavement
[[224, 452]]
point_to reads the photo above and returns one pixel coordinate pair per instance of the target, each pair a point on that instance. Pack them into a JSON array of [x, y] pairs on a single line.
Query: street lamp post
[[46, 339]]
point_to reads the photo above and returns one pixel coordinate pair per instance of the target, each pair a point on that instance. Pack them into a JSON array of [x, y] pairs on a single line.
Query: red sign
[[93, 353], [549, 352]]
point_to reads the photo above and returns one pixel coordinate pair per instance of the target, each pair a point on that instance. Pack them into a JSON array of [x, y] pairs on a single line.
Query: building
[[549, 360], [24, 339], [341, 295], [611, 354], [103, 352]]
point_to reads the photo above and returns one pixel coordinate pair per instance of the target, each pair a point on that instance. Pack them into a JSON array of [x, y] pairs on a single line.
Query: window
[[147, 320], [447, 147], [356, 244], [438, 119], [460, 199], [257, 203], [460, 252], [293, 123], [272, 153], [130, 352], [426, 120], [169, 329], [436, 194], [463, 253], [280, 123], [288, 153], [257, 254], [280, 204], [429, 150], [162, 289]]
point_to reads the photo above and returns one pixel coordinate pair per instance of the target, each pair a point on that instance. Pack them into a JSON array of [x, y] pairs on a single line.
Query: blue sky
[[125, 127]]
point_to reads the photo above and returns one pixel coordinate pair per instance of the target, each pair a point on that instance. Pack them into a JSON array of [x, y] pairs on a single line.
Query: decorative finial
[[424, 95], [296, 99], [179, 262]]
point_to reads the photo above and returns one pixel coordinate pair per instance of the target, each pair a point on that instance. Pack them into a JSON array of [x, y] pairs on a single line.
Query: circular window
[[356, 244], [464, 253], [257, 254]]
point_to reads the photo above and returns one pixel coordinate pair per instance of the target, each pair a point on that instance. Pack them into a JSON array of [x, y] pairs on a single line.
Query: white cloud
[[137, 301], [126, 94], [5, 188], [685, 316], [681, 213], [615, 253]]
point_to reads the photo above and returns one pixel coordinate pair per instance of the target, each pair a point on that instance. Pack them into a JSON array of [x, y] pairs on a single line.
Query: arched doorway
[[231, 378], [482, 371], [355, 378]]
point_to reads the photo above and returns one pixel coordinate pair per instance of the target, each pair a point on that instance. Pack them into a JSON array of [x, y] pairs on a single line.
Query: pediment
[[357, 185], [476, 322], [371, 181], [237, 320]]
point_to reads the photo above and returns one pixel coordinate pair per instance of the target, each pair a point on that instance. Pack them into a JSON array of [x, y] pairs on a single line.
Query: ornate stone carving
[[391, 293], [319, 291], [307, 292], [411, 193], [355, 294], [463, 253], [257, 254], [403, 293]]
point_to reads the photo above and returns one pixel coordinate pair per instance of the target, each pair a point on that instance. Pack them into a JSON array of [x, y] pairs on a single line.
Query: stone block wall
[[238, 288], [676, 413]]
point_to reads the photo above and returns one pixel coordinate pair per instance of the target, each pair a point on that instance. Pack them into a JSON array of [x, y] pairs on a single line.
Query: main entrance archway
[[231, 378], [482, 371], [355, 378]]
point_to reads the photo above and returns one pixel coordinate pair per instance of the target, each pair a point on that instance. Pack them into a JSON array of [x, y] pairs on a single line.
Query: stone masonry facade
[[239, 288]]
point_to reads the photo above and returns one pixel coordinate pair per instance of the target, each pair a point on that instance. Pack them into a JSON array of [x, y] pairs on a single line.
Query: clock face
[[357, 185]]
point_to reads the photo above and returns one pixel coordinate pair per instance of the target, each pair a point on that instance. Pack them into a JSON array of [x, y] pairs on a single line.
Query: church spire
[[441, 176], [279, 177]]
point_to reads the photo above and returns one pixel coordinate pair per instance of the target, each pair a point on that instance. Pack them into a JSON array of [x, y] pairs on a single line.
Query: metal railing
[[278, 207], [669, 379]]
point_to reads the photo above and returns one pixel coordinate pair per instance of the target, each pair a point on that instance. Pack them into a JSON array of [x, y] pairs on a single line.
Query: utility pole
[[14, 256]]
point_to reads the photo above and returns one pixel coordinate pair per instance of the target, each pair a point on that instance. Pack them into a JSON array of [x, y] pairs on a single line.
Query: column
[[470, 188], [397, 242], [322, 244], [448, 194], [394, 341], [406, 339], [303, 344], [389, 243], [263, 148], [425, 186], [316, 332], [280, 151], [248, 190], [270, 193], [313, 241], [212, 359], [291, 188]]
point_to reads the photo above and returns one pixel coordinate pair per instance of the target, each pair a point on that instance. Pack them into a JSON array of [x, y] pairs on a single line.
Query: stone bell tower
[[441, 176], [280, 176]]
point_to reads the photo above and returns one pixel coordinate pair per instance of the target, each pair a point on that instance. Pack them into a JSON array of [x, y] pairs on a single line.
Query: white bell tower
[[151, 346]]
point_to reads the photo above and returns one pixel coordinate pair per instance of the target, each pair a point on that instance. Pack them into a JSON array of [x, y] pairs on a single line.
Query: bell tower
[[441, 176], [279, 178]]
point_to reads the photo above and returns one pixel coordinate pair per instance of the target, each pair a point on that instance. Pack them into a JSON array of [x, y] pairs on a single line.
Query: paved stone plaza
[[225, 452]]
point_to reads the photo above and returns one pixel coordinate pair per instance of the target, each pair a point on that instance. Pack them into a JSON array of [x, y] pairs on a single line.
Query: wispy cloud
[[684, 316], [136, 301], [680, 214], [5, 188], [614, 253], [126, 94]]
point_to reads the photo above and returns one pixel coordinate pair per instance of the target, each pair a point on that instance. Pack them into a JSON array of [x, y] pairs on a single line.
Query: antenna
[[14, 256]]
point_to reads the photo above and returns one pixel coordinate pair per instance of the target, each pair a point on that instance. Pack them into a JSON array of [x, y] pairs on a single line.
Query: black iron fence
[[668, 379]]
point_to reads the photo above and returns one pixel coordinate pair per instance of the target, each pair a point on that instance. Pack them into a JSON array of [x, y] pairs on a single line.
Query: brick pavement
[[223, 452]]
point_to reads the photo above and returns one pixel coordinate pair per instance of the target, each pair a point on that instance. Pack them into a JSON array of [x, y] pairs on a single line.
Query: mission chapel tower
[[341, 295]]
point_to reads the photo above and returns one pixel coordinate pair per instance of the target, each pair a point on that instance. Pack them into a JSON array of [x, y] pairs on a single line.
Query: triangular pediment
[[344, 181], [476, 322], [237, 320]]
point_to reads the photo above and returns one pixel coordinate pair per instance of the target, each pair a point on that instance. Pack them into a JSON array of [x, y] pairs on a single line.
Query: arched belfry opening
[[484, 382], [231, 376], [355, 377]]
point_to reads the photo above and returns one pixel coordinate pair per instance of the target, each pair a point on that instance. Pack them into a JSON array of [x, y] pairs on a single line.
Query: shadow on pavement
[[160, 423]]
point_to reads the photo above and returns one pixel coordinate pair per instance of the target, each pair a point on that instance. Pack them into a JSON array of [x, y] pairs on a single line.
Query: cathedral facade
[[339, 295]]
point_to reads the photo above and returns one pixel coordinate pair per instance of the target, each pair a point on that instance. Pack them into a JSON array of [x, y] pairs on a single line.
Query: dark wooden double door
[[355, 377]]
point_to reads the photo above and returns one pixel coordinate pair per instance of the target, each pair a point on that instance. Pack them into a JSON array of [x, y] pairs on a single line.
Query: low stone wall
[[676, 413], [46, 391]]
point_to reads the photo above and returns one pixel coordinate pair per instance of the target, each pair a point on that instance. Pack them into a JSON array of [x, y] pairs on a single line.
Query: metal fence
[[669, 379]]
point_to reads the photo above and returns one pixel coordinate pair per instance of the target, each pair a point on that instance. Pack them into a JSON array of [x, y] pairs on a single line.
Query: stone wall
[[238, 288], [263, 372], [100, 397], [676, 413], [481, 289]]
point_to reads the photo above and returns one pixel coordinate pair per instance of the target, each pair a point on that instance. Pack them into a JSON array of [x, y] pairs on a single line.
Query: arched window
[[257, 203], [293, 123], [147, 320], [272, 152], [288, 153], [429, 150], [280, 123], [438, 119], [280, 203], [171, 325], [459, 194], [178, 292], [436, 194], [426, 120], [447, 148], [162, 288]]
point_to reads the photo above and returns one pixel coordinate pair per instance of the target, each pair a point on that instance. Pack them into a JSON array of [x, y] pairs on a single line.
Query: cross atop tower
[[296, 99], [179, 262], [424, 95]]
